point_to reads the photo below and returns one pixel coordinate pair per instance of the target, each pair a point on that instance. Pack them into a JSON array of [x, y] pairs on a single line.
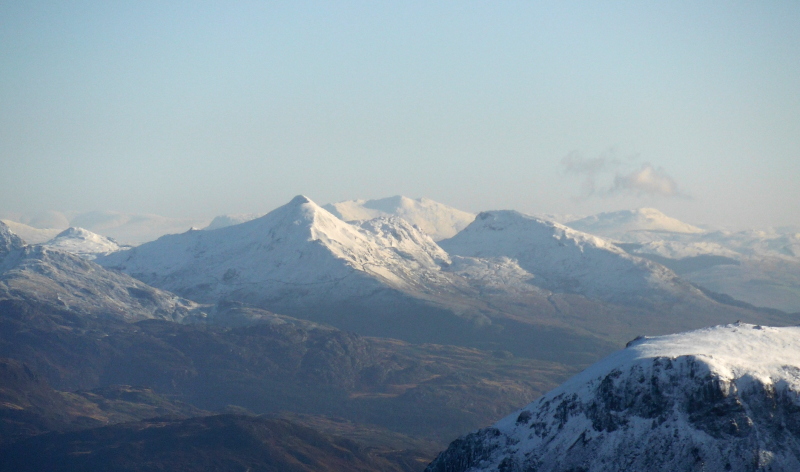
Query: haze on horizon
[[193, 110]]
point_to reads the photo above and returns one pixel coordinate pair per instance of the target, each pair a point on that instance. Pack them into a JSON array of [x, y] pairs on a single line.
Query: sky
[[195, 109]]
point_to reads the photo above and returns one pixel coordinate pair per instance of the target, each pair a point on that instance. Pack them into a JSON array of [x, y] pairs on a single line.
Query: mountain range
[[504, 280], [358, 322]]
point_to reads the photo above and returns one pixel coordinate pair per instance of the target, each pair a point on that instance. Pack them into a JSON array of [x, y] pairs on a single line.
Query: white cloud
[[648, 180], [608, 175]]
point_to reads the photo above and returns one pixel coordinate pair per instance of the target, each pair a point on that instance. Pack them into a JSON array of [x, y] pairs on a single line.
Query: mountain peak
[[300, 200], [76, 232], [83, 243]]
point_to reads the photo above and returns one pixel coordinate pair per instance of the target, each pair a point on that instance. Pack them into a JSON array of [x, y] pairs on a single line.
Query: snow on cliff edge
[[721, 398]]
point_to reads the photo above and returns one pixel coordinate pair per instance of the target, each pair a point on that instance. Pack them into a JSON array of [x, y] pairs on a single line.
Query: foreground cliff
[[725, 398]]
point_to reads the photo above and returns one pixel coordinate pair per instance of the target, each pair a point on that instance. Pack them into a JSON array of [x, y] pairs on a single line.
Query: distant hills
[[437, 220], [621, 225]]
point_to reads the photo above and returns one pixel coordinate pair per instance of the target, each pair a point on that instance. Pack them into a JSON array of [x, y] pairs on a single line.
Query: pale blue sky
[[202, 108]]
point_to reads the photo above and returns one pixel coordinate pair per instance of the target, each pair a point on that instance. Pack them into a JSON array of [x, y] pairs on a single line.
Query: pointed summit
[[300, 200]]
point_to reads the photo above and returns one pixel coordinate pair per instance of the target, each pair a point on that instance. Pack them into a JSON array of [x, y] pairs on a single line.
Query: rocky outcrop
[[656, 406]]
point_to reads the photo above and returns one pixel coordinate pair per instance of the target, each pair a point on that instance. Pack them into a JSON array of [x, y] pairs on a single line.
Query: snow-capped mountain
[[562, 259], [64, 280], [436, 219], [725, 398], [623, 225], [298, 254], [84, 243]]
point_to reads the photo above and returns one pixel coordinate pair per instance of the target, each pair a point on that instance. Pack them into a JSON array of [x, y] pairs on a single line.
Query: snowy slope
[[83, 243], [759, 243], [620, 224], [722, 398], [438, 220], [298, 253], [561, 259], [63, 280], [760, 267]]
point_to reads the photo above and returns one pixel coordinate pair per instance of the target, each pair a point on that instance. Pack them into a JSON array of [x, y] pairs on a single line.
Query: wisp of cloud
[[648, 180]]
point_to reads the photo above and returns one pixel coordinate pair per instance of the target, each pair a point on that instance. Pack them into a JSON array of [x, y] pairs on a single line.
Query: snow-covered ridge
[[283, 254], [437, 220], [562, 259], [761, 267], [406, 240], [39, 274], [721, 398], [731, 352]]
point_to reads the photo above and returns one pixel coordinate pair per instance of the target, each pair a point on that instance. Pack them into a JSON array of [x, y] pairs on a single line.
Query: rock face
[[725, 398]]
